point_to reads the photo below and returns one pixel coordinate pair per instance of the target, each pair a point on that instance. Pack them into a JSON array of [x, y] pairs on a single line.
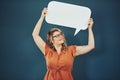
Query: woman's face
[[58, 38]]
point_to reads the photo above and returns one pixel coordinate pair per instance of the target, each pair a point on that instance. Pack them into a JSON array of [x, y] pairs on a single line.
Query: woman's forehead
[[56, 32]]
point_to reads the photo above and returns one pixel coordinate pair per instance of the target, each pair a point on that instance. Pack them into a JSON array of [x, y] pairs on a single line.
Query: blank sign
[[68, 15]]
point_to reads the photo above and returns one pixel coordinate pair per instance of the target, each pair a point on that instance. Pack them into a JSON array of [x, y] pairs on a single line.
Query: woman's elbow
[[92, 47], [34, 34]]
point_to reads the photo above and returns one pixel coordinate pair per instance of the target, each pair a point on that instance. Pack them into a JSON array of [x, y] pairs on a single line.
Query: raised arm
[[91, 43], [38, 40]]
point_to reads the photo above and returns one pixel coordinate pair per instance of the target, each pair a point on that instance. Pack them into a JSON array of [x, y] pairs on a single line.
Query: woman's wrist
[[42, 17], [89, 27]]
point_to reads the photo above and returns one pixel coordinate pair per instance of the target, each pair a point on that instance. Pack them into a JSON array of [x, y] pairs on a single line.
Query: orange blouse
[[59, 66]]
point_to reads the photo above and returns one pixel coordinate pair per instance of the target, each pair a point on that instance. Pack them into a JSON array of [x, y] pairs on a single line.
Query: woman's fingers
[[90, 23], [44, 12]]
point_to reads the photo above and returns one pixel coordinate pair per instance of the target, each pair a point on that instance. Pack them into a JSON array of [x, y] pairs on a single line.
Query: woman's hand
[[90, 23], [44, 12]]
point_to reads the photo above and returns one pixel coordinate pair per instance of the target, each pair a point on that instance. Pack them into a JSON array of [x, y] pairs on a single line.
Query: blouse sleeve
[[47, 48], [73, 49]]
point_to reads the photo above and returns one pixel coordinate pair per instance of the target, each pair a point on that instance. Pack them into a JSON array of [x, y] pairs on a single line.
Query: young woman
[[59, 57]]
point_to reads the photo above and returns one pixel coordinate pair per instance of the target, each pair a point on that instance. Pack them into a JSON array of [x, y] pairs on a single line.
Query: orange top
[[59, 66]]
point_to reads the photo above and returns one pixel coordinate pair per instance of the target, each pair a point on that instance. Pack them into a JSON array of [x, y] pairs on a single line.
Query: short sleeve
[[47, 49], [73, 50]]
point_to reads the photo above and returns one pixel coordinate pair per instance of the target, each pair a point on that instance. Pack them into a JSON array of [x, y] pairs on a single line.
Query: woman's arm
[[38, 40], [91, 44]]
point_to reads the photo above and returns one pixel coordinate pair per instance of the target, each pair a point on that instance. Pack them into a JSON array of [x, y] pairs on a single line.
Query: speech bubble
[[68, 15]]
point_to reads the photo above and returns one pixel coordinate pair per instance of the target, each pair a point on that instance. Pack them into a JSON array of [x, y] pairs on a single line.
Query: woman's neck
[[58, 48]]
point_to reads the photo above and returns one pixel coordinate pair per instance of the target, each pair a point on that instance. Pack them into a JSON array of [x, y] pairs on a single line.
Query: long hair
[[50, 38]]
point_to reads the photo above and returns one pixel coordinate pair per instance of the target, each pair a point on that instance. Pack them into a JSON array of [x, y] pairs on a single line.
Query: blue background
[[20, 59]]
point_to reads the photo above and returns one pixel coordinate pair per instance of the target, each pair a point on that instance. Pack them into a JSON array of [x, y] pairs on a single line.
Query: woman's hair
[[50, 38]]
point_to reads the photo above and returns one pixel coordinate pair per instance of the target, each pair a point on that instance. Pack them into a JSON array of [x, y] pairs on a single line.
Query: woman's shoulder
[[47, 49], [71, 49], [71, 46]]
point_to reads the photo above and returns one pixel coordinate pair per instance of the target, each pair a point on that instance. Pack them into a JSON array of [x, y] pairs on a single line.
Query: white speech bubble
[[68, 15]]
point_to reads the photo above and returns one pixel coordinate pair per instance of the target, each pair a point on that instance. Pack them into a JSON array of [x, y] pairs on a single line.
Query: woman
[[59, 57]]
